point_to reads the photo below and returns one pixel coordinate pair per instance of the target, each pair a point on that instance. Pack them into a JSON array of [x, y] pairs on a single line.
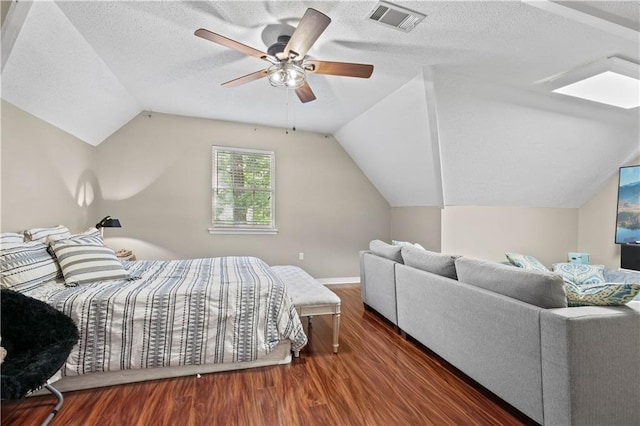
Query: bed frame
[[280, 355]]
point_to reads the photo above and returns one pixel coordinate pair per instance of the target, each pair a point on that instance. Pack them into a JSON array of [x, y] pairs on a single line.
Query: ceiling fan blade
[[312, 24], [245, 78], [305, 94], [338, 68], [227, 42]]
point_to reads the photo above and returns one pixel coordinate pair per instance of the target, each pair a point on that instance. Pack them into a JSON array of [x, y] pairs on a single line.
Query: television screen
[[628, 217]]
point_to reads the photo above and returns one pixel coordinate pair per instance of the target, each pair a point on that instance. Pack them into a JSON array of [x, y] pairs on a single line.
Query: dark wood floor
[[378, 378]]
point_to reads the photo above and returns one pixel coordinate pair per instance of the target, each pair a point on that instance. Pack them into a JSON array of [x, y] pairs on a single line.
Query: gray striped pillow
[[41, 234], [85, 259], [11, 238], [27, 263]]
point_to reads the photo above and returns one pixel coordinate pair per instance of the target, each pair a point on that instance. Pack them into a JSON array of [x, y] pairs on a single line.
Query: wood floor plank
[[377, 378]]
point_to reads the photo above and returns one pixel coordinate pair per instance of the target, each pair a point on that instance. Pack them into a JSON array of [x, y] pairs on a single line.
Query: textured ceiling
[[88, 67]]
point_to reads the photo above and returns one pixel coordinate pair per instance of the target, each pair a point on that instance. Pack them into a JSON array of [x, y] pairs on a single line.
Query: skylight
[[612, 81], [608, 88]]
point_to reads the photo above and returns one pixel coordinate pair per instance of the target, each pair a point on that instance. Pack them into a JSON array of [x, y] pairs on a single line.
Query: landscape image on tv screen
[[628, 218]]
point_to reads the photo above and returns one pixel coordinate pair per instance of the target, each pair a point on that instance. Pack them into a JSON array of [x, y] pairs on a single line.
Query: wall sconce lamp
[[107, 222]]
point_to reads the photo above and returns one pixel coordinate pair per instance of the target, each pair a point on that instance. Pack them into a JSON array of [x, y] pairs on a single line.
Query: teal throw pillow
[[606, 294], [526, 262], [580, 274]]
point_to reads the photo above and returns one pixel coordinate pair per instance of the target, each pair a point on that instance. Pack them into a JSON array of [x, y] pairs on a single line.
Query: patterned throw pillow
[[27, 263], [41, 234], [580, 274], [526, 262], [607, 294], [84, 258]]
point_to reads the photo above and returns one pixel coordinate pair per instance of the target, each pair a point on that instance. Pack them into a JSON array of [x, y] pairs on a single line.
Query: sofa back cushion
[[543, 289], [386, 250], [436, 263]]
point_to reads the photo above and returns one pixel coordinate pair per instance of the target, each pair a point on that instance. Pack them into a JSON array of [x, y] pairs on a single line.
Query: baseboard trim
[[339, 280]]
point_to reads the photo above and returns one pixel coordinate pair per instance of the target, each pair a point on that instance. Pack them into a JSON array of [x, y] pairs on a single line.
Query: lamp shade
[[108, 222]]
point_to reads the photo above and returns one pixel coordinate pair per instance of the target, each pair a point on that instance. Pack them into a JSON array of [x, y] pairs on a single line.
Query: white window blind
[[243, 191]]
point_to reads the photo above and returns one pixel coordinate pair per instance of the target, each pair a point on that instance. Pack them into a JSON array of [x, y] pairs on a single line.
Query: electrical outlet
[[300, 256]]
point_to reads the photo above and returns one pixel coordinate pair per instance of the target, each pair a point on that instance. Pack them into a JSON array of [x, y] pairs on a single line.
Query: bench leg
[[336, 332]]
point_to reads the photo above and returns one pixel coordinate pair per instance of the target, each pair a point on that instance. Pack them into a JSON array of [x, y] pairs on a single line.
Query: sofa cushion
[[580, 274], [389, 251], [543, 289], [526, 262], [601, 294], [436, 263]]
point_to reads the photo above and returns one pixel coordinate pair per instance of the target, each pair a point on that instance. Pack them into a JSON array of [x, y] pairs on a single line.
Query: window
[[243, 191]]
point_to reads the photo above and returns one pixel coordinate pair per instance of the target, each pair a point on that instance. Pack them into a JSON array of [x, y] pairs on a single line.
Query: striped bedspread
[[181, 312]]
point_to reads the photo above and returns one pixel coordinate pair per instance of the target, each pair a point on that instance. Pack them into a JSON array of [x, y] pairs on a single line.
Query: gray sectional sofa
[[511, 330]]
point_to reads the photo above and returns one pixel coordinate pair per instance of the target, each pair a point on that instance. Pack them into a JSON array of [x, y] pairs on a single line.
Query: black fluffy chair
[[38, 339]]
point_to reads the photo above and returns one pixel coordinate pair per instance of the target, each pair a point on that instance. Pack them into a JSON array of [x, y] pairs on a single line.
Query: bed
[[173, 318]]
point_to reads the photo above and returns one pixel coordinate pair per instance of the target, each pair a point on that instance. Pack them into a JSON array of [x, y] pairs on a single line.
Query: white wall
[[502, 146], [47, 175], [392, 143], [597, 224], [489, 232], [155, 176]]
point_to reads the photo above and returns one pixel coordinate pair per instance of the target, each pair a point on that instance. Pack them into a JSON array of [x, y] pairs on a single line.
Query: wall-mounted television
[[628, 217]]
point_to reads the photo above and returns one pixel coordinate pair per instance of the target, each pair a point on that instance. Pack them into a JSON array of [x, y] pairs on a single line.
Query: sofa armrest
[[378, 284], [363, 277], [591, 365]]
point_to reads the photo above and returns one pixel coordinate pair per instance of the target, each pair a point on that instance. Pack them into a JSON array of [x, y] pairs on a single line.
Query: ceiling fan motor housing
[[278, 46]]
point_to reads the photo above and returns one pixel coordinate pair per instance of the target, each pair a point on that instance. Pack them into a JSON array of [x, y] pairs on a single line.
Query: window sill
[[240, 231]]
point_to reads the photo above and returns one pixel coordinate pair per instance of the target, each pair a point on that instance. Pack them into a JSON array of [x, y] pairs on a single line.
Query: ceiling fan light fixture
[[286, 74]]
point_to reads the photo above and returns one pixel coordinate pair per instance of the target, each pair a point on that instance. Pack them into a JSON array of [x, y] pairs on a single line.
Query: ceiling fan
[[288, 57]]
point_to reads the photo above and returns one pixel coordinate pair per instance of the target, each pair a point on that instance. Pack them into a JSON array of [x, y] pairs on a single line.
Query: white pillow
[[11, 238], [27, 263], [41, 234], [92, 232]]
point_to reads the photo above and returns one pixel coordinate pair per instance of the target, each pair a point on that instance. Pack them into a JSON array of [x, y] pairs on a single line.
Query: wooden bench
[[310, 297]]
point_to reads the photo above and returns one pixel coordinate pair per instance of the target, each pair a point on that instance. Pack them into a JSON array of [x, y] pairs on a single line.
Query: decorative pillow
[[91, 233], [526, 262], [607, 294], [406, 243], [621, 276], [436, 263], [382, 249], [27, 263], [579, 273], [11, 238], [86, 259], [543, 289], [41, 234]]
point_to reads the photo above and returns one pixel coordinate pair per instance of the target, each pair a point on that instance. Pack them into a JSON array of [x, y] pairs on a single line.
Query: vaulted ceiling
[[455, 113]]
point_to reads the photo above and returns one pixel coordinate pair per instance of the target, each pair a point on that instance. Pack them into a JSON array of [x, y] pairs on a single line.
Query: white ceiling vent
[[395, 16]]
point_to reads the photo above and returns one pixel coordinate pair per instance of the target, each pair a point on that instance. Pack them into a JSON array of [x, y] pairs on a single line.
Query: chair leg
[[57, 407]]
